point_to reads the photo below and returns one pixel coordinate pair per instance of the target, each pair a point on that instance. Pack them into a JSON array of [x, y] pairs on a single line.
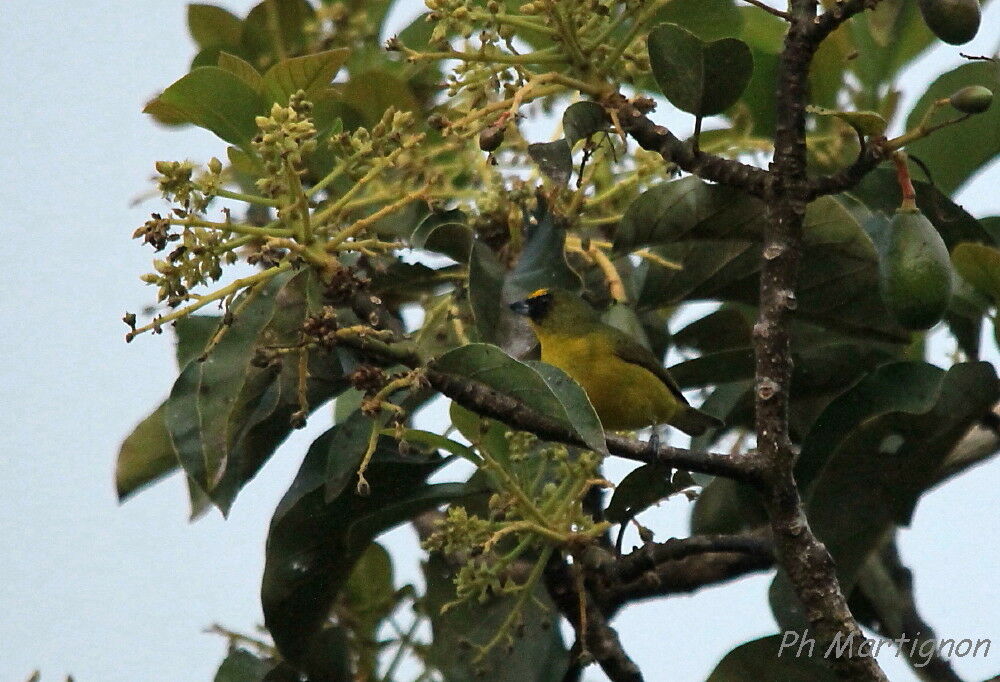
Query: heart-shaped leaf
[[698, 77]]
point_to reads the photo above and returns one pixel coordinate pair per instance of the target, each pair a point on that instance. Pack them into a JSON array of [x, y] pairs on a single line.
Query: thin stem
[[203, 301], [248, 198], [770, 10], [238, 228]]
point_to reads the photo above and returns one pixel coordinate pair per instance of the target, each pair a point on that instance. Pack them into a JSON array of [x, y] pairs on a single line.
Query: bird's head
[[555, 310]]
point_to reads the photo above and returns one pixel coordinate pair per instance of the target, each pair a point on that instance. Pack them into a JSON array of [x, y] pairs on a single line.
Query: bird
[[628, 387]]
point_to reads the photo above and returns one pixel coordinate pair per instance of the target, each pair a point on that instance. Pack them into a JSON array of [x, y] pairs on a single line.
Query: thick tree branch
[[656, 138], [652, 554], [803, 557], [484, 400], [687, 575], [593, 632]]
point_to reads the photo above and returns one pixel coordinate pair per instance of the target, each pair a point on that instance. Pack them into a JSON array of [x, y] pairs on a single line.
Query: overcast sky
[[119, 594]]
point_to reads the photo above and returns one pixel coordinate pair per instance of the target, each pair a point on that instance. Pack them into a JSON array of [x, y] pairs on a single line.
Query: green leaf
[[312, 73], [486, 277], [369, 597], [979, 265], [866, 123], [242, 69], [583, 119], [897, 23], [540, 386], [313, 545], [758, 660], [146, 456], [640, 489], [538, 653], [554, 159], [214, 99], [485, 434], [707, 19], [698, 77], [874, 451], [939, 151], [372, 92], [726, 506], [242, 666], [212, 26], [226, 416], [258, 40], [543, 260], [446, 232]]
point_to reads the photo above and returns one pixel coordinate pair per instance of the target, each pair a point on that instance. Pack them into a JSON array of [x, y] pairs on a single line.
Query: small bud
[[974, 99], [491, 137], [215, 166]]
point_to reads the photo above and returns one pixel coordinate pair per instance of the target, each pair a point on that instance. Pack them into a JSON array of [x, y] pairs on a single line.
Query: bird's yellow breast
[[626, 396]]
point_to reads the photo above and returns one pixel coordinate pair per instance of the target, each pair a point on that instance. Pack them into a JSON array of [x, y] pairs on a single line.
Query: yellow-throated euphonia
[[628, 387]]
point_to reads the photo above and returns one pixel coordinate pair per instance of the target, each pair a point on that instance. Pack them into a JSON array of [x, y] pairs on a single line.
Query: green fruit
[[953, 21], [915, 271], [974, 99]]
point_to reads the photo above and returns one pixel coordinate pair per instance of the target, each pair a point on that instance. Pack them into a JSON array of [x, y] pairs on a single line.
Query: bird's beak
[[520, 307]]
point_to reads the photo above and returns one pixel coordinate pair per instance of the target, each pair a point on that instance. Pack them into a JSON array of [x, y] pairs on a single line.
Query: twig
[[770, 10], [599, 639]]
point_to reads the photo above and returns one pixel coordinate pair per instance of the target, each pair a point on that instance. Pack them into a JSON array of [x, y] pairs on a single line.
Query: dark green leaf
[[875, 450], [485, 434], [214, 99], [242, 666], [539, 386], [758, 660], [538, 653], [707, 19], [698, 77], [212, 26], [313, 545], [446, 232], [950, 169], [226, 416], [554, 159], [543, 260], [727, 506], [641, 489], [583, 119], [369, 596], [312, 73], [486, 277]]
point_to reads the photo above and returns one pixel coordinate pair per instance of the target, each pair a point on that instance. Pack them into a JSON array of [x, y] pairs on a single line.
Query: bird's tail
[[694, 422]]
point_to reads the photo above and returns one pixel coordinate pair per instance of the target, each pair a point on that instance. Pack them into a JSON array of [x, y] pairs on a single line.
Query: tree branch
[[803, 557], [488, 402], [652, 554], [656, 138], [594, 635], [687, 575]]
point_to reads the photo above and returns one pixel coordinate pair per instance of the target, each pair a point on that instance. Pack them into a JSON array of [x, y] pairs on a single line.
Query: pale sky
[[119, 594]]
